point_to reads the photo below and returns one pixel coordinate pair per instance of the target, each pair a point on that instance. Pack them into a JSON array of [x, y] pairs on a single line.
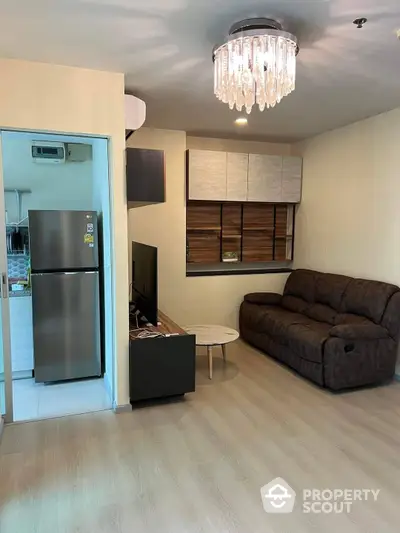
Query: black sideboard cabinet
[[145, 176], [162, 366]]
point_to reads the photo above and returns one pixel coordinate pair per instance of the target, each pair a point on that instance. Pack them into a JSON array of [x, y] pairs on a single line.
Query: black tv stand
[[161, 360]]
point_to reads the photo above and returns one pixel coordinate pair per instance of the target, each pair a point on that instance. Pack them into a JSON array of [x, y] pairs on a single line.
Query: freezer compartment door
[[63, 240], [66, 325]]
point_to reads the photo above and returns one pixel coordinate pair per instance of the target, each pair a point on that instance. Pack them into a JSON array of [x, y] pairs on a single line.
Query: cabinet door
[[291, 179], [206, 175], [236, 177], [264, 178], [145, 176]]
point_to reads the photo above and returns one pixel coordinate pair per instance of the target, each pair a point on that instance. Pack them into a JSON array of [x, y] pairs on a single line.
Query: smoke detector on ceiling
[[360, 22]]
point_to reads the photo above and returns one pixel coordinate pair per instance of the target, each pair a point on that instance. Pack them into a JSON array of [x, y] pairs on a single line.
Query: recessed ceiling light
[[241, 121]]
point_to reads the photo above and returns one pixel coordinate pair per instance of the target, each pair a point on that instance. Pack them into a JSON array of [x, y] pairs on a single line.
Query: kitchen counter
[[19, 294]]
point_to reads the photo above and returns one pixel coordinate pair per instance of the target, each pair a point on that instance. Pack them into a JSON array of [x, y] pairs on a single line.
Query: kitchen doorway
[[57, 276]]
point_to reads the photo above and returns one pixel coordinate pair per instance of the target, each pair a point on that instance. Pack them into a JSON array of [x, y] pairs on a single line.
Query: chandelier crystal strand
[[255, 69], [224, 76]]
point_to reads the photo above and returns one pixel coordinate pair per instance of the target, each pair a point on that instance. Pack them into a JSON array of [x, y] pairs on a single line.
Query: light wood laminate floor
[[198, 465]]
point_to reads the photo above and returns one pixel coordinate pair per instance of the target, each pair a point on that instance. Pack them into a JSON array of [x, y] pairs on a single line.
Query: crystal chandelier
[[257, 65]]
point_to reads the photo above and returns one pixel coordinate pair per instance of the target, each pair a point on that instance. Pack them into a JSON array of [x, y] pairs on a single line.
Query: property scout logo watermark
[[279, 497]]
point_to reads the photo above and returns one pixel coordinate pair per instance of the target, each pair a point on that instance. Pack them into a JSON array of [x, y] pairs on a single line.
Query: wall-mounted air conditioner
[[48, 152], [135, 114]]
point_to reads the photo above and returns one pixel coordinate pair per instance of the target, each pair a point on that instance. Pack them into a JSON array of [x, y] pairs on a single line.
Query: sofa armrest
[[359, 331], [263, 298]]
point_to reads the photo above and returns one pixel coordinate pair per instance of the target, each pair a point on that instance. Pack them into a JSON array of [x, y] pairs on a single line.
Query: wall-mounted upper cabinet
[[264, 178], [291, 179], [238, 177], [207, 175], [145, 177]]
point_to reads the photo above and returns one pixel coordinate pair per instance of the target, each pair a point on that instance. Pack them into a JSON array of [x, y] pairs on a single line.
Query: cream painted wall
[[349, 219], [212, 299], [35, 96]]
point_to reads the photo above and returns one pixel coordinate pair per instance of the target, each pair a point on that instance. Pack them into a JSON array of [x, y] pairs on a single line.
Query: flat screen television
[[144, 280]]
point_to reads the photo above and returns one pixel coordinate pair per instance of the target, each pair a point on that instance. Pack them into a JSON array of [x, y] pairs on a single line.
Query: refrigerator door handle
[[4, 285]]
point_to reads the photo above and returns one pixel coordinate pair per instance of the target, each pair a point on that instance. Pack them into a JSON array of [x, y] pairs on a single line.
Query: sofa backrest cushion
[[334, 299], [321, 313], [292, 303], [367, 298], [301, 283], [330, 288]]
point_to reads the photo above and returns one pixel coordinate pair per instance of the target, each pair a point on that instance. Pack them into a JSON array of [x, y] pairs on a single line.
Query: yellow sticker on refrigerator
[[88, 238]]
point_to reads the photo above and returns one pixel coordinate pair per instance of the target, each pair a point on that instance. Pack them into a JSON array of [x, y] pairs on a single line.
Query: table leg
[[210, 361], [223, 351]]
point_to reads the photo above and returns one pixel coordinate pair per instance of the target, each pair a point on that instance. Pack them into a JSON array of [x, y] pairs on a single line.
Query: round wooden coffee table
[[208, 335]]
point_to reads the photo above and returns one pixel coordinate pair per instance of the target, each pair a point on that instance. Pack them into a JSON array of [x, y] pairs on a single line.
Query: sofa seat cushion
[[307, 340], [350, 318], [253, 315], [276, 321]]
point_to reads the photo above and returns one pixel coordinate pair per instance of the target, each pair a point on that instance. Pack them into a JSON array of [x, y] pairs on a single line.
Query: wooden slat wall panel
[[203, 215], [257, 246], [231, 219], [258, 232], [281, 218], [281, 221], [258, 217], [204, 248], [260, 235], [280, 249], [232, 228]]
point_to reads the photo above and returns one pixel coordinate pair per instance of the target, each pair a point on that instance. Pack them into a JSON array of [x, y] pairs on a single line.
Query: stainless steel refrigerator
[[65, 294]]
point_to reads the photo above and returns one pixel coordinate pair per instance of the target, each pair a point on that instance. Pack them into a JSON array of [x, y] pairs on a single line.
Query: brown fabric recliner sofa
[[337, 331]]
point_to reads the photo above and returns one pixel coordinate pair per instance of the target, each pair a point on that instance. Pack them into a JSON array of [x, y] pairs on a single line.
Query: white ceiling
[[164, 47]]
